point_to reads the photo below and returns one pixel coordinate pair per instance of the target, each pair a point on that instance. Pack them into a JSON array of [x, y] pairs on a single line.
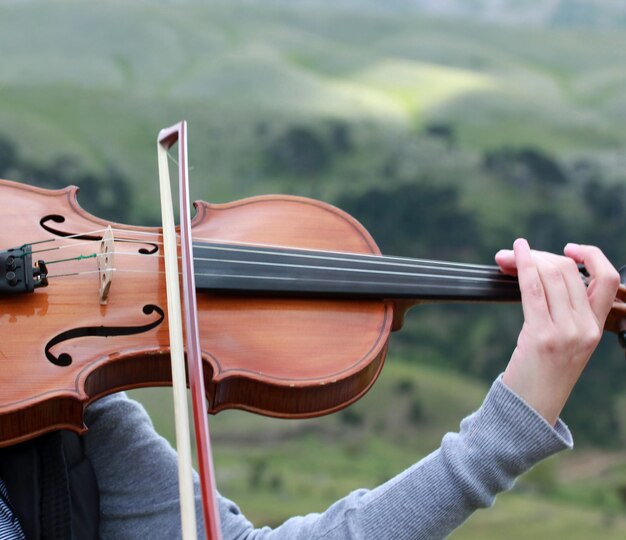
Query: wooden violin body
[[308, 344], [60, 348]]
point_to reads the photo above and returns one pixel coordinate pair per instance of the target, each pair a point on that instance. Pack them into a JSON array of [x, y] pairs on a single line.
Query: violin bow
[[166, 139]]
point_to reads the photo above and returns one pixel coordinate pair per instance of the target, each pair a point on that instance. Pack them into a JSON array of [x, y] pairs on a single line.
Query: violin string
[[326, 254], [278, 278], [366, 259], [341, 269], [78, 258], [497, 275], [360, 282], [355, 270], [485, 280], [115, 270], [213, 241], [494, 279], [72, 274], [86, 243], [362, 258], [69, 236], [282, 278], [309, 254], [373, 259], [23, 246]]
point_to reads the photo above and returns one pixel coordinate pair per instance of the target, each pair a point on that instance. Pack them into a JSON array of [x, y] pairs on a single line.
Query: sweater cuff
[[525, 436]]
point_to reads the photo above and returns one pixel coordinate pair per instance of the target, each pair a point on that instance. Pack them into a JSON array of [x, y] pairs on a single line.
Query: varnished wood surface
[[283, 357]]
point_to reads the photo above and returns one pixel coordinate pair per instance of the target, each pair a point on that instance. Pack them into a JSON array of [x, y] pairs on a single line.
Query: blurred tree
[[547, 230], [443, 131], [591, 412], [107, 195], [298, 151], [340, 137], [418, 219], [8, 156], [525, 168], [605, 226]]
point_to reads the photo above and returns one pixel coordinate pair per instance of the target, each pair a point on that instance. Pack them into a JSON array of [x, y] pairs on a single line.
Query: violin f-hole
[[64, 359]]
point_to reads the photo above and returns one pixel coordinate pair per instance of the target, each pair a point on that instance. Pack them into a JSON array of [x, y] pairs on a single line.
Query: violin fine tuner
[[17, 272]]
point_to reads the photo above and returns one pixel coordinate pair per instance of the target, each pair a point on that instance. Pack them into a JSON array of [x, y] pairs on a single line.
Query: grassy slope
[[517, 517], [98, 81]]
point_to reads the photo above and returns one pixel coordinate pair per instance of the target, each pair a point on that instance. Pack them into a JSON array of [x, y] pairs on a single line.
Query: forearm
[[502, 440], [136, 472], [495, 445]]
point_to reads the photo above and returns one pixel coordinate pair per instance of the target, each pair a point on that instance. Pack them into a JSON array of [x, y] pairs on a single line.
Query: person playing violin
[[517, 426]]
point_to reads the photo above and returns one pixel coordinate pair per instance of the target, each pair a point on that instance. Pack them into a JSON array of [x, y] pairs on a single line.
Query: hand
[[563, 320]]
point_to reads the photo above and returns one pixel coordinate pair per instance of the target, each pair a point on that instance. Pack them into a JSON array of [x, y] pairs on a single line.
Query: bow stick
[[166, 139]]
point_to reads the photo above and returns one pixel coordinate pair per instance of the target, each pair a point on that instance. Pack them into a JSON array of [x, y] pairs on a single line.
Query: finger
[[534, 303], [505, 259], [570, 274], [604, 278], [554, 287]]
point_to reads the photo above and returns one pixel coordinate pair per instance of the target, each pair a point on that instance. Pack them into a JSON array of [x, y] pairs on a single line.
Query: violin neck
[[260, 270]]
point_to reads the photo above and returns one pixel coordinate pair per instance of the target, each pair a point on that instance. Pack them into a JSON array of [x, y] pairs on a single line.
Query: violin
[[295, 306]]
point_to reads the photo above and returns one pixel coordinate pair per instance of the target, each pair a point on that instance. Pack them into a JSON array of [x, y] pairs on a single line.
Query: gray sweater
[[136, 472]]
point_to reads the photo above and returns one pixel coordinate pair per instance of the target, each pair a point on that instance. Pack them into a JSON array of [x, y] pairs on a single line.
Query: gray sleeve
[[135, 469], [136, 472]]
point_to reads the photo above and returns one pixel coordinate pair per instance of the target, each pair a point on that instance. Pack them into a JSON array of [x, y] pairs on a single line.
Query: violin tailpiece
[[18, 274]]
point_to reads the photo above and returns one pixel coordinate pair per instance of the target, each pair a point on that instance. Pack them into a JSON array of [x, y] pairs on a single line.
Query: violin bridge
[[105, 264]]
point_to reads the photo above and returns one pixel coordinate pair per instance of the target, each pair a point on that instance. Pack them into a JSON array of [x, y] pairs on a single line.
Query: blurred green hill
[[97, 80], [447, 132], [554, 13]]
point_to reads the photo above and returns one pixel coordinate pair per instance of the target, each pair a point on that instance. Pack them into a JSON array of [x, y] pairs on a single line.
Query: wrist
[[539, 393]]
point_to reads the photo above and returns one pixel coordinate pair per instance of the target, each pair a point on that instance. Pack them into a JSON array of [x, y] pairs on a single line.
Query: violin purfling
[[295, 306]]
